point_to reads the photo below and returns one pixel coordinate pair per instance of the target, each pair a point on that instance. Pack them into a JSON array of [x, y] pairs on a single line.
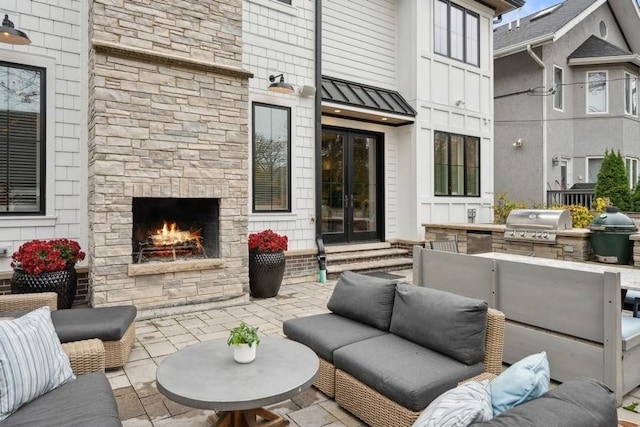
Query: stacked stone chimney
[[168, 102]]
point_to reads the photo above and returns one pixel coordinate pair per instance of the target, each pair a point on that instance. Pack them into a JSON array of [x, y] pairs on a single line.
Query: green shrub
[[580, 215], [502, 209], [613, 181], [635, 198]]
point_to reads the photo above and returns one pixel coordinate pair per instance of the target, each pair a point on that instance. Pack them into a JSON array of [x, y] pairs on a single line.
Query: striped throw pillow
[[468, 403], [32, 361]]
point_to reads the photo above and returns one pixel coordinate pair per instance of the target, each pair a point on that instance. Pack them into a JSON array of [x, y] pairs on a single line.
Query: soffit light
[[280, 86], [8, 34]]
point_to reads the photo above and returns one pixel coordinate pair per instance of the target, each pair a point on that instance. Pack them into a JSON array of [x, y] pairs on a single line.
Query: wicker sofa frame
[[378, 410], [116, 353]]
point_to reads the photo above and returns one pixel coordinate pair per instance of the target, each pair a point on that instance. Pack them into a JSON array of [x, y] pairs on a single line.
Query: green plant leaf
[[631, 407], [243, 334]]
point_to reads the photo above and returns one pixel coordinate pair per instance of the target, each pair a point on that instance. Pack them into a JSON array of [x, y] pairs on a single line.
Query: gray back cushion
[[450, 324], [363, 298]]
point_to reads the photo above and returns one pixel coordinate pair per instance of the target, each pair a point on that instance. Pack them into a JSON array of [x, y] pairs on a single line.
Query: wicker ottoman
[[114, 326]]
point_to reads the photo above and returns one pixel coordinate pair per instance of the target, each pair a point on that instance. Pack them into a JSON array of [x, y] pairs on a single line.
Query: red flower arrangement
[[40, 256], [267, 241]]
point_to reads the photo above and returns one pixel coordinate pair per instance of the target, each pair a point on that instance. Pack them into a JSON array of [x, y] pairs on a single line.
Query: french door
[[351, 186]]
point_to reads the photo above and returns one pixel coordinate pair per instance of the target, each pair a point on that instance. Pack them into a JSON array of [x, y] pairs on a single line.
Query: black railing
[[570, 197]]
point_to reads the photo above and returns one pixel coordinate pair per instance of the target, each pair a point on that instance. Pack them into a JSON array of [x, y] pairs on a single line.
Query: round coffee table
[[205, 376]]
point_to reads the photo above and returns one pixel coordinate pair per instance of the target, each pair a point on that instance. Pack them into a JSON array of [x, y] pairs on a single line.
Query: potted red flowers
[[266, 263], [45, 266]]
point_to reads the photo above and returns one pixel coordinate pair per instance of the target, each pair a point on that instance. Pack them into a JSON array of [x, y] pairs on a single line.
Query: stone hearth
[[168, 119]]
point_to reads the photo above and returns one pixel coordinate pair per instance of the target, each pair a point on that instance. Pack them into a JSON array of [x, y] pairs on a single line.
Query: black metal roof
[[363, 96], [595, 47]]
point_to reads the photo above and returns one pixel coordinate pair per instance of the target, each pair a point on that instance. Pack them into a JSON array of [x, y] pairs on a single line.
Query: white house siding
[[359, 41], [440, 82], [279, 38], [56, 31]]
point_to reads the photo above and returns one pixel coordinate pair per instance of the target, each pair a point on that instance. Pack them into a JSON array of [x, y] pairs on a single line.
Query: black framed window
[[285, 1], [22, 139], [456, 165], [271, 158], [456, 32]]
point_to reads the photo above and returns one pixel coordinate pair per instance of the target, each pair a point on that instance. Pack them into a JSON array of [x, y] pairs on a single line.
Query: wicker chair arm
[[28, 301], [494, 343], [85, 356]]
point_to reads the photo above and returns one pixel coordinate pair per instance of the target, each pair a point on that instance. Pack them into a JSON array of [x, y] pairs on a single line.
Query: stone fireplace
[[168, 153]]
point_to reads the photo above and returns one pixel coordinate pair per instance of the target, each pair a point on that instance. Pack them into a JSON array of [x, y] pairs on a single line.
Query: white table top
[[205, 375], [629, 276]]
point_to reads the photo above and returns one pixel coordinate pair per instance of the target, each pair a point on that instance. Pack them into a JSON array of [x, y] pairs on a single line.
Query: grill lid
[[550, 219], [612, 220]]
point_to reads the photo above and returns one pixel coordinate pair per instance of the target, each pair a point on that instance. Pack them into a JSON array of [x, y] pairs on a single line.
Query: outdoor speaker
[[307, 91]]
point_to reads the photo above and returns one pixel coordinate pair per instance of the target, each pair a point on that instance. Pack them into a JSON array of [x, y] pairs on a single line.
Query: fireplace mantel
[[174, 266]]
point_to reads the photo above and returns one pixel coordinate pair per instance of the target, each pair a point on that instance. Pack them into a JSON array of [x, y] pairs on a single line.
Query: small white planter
[[243, 353]]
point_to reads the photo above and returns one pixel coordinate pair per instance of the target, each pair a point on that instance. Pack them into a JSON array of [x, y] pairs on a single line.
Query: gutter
[[521, 47], [618, 59], [538, 61]]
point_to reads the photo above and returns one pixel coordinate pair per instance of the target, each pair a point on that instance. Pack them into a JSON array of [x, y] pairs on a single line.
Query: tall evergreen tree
[[613, 181]]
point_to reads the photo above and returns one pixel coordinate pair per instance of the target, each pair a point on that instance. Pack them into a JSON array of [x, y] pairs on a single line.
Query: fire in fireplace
[[169, 229]]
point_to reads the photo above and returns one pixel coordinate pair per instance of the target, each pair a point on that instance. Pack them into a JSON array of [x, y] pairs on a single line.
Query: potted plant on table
[[47, 266], [266, 263], [244, 340]]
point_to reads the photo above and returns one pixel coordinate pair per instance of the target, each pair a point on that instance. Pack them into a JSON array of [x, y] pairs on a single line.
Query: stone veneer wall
[[167, 118]]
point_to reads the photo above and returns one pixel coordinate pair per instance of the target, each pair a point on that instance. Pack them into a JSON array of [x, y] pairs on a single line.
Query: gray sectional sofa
[[388, 349]]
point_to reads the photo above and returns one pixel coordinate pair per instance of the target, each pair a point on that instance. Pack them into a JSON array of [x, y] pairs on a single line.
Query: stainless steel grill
[[536, 225]]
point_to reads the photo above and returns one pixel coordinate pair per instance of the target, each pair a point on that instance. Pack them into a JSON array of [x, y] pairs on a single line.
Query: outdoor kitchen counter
[[577, 232], [629, 276]]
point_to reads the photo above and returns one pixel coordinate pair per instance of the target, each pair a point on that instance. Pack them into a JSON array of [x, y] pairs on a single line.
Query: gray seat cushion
[[364, 298], [578, 403], [405, 372], [86, 401], [324, 333], [451, 324], [105, 323]]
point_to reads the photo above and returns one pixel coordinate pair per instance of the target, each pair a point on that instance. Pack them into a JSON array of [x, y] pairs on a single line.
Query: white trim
[[562, 87], [521, 47], [618, 59], [376, 113], [49, 64], [28, 221], [586, 87], [278, 5]]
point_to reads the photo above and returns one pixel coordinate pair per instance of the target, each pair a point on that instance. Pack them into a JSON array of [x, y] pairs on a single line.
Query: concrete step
[[366, 266], [339, 257], [332, 249]]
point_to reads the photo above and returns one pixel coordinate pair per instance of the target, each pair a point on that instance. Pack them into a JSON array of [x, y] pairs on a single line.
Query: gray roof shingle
[[595, 47], [533, 28]]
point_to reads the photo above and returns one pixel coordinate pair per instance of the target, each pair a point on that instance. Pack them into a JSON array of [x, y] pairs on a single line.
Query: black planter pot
[[266, 270], [64, 283]]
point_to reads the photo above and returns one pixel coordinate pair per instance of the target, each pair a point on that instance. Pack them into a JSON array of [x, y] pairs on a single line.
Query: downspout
[[322, 260], [538, 61]]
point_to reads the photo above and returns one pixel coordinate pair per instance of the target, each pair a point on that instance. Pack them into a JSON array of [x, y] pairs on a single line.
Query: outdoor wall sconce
[[555, 161], [280, 86], [518, 143], [8, 34]]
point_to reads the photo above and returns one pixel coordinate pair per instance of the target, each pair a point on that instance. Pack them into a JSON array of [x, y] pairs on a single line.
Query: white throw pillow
[[32, 361], [468, 403]]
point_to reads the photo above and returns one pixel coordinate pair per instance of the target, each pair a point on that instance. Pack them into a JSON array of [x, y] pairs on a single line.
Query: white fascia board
[[618, 59], [578, 19], [345, 107], [522, 46]]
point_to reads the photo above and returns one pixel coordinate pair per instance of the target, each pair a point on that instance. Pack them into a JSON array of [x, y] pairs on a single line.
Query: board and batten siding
[[359, 41]]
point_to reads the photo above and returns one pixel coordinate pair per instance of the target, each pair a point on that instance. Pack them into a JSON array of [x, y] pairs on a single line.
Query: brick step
[[388, 264], [339, 257]]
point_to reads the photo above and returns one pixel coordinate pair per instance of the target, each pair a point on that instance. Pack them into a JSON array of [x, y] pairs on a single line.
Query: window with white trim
[[597, 92], [456, 32], [632, 170], [456, 165], [630, 94], [271, 158], [558, 82], [593, 168], [22, 139]]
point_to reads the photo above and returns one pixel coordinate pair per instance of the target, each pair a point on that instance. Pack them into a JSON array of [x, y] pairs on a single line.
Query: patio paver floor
[[141, 405]]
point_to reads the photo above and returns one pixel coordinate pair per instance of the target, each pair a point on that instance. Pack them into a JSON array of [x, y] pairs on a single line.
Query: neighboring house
[[566, 89], [168, 118]]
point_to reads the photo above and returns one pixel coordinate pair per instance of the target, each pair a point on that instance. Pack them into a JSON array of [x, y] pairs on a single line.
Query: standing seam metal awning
[[386, 106]]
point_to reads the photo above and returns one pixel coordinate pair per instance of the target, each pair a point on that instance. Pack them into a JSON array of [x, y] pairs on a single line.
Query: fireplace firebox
[[170, 229]]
